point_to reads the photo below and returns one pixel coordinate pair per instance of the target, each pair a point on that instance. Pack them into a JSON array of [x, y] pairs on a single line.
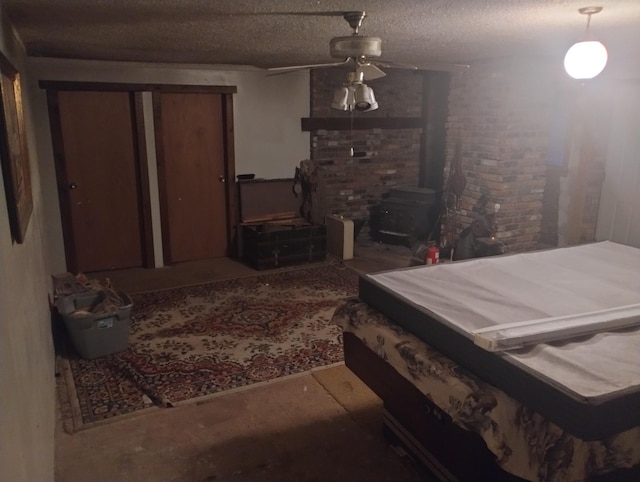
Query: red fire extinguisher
[[433, 254]]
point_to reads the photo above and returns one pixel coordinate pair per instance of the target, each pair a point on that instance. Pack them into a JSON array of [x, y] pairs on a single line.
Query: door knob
[[221, 178], [73, 185]]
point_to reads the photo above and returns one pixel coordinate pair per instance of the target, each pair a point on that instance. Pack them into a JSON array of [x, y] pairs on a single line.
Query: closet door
[[190, 148], [98, 183]]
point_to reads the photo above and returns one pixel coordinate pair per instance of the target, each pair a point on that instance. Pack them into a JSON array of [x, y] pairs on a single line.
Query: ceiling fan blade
[[370, 71], [438, 66], [294, 68], [444, 67], [393, 65], [325, 13]]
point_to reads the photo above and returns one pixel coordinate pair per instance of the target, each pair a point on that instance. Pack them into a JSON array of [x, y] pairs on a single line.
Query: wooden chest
[[272, 235], [272, 245]]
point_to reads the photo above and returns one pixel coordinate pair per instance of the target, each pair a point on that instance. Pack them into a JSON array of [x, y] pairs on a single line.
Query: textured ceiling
[[270, 33]]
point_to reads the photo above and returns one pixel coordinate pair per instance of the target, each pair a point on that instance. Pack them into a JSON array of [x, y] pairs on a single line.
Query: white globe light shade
[[341, 99], [585, 60]]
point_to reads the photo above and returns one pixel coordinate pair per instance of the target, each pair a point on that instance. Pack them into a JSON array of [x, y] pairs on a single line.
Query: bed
[[565, 408]]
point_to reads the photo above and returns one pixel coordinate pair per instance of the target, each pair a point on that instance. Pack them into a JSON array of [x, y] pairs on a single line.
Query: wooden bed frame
[[426, 432]]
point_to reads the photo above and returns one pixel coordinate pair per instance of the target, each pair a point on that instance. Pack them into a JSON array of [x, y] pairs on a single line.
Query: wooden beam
[[360, 123], [55, 85], [433, 154]]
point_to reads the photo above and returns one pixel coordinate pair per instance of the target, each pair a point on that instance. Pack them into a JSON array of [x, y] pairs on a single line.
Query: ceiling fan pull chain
[[351, 133]]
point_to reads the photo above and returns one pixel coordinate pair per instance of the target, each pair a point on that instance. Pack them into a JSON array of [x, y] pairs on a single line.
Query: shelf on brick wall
[[359, 123]]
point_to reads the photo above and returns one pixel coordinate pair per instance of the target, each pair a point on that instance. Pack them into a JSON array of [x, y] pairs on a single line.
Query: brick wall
[[499, 118], [352, 185]]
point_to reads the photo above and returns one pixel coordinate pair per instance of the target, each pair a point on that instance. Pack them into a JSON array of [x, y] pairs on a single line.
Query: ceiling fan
[[361, 51]]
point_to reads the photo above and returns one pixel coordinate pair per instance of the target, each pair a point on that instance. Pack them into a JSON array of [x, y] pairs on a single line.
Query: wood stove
[[405, 215]]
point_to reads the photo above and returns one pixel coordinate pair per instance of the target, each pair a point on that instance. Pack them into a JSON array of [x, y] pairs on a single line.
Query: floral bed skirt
[[524, 442]]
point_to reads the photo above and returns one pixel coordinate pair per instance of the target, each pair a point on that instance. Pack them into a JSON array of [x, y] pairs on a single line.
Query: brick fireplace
[[391, 149], [498, 117]]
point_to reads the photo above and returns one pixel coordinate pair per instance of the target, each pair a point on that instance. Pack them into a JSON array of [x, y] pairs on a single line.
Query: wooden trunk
[[275, 245], [271, 234]]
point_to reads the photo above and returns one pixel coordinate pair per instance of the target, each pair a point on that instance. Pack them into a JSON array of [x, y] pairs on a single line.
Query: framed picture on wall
[[13, 152]]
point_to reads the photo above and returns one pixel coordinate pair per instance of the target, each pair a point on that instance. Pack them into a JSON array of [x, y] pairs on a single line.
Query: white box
[[339, 236]]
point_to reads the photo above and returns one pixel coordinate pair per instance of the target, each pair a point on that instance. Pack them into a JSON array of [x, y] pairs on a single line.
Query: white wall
[[27, 363], [267, 109], [619, 214], [269, 141]]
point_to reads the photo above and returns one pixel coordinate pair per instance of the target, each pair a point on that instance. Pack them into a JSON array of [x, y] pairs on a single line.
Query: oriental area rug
[[192, 343]]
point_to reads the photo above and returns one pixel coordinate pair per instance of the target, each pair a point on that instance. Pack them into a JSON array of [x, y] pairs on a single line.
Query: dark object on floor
[[476, 240], [357, 227], [245, 177], [468, 246]]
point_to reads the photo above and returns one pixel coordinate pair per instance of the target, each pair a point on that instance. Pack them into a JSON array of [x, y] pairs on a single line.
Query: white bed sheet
[[486, 292]]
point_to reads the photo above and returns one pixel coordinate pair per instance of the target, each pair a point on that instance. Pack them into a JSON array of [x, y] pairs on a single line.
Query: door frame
[[52, 87]]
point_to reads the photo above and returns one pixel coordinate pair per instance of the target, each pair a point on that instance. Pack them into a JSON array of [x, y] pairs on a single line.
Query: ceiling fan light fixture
[[342, 99], [356, 96], [587, 58], [364, 99]]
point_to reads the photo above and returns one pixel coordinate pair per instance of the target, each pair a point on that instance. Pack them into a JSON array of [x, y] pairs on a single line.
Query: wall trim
[[128, 86]]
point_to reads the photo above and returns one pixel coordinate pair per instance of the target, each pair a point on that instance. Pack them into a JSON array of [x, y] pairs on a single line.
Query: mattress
[[589, 385]]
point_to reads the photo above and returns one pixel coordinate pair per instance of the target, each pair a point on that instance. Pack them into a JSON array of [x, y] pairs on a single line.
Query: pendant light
[[586, 59]]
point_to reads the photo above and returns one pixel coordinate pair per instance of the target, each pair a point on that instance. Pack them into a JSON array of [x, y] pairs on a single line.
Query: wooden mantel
[[360, 123]]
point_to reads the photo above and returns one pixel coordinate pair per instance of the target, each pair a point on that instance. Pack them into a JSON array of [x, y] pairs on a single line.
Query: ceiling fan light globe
[[585, 60], [372, 106], [364, 99], [341, 99]]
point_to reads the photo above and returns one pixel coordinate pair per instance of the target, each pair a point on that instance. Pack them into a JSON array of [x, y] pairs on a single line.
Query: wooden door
[[98, 179], [191, 170]]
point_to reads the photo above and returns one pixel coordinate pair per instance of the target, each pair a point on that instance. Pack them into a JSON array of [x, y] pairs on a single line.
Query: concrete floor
[[319, 426]]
